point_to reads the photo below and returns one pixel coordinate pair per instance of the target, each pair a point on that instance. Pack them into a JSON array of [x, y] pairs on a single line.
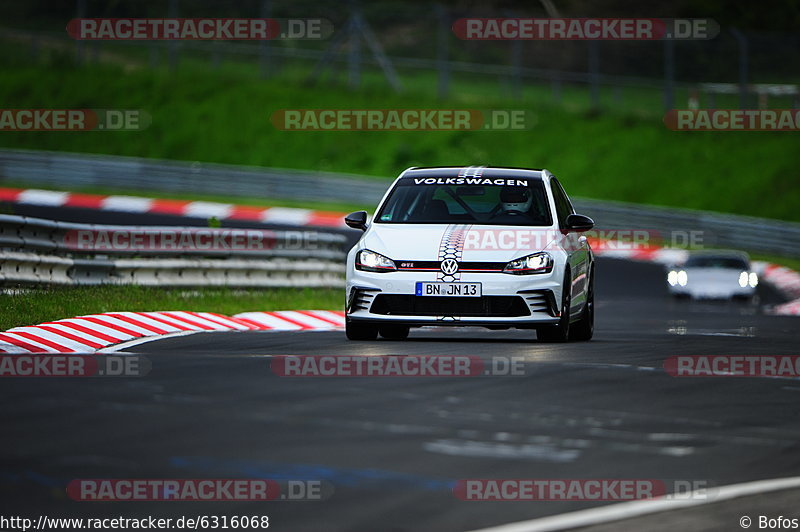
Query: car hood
[[713, 276], [489, 243]]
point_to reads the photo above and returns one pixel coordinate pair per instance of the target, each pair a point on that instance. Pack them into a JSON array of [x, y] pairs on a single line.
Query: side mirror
[[579, 223], [357, 220]]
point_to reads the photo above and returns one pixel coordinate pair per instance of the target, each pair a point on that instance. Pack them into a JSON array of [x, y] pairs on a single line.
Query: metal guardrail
[[75, 170], [36, 251], [81, 170], [708, 228]]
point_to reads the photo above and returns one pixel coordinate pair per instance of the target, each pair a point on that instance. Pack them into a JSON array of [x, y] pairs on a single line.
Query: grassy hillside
[[222, 116]]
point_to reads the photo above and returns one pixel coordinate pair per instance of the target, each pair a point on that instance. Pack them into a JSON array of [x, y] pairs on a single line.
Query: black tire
[[559, 333], [583, 329], [360, 331], [394, 332]]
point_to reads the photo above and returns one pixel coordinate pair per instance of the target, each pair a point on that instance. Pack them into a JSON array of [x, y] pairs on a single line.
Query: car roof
[[474, 171]]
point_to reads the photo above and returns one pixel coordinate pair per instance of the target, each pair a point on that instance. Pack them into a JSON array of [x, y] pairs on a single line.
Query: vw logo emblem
[[449, 266]]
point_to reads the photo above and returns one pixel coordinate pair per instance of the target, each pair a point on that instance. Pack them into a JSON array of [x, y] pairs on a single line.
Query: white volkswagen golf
[[475, 246]]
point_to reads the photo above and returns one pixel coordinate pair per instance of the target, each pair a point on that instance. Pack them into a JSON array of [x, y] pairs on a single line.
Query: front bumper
[[712, 291], [523, 301]]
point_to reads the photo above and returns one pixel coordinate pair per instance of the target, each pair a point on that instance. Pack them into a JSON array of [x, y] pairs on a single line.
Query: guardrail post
[[442, 36], [264, 50], [669, 74], [354, 42], [594, 74], [79, 44], [744, 52], [172, 47]]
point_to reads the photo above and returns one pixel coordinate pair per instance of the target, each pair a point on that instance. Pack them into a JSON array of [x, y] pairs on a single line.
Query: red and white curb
[[196, 209], [785, 280], [111, 330]]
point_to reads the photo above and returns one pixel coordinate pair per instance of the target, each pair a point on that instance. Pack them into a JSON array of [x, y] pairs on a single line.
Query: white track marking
[[207, 209], [287, 215], [42, 197], [127, 204], [627, 510]]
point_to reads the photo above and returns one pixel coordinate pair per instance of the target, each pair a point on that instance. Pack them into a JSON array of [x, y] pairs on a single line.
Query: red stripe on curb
[[191, 322], [321, 318], [160, 319], [70, 336], [212, 319], [328, 219], [228, 318], [292, 321], [256, 325], [86, 330], [143, 325], [245, 212], [179, 207], [19, 343], [86, 201], [167, 206], [10, 194], [45, 341], [112, 326]]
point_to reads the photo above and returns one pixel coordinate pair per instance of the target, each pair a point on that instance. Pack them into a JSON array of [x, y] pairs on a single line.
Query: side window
[[563, 206]]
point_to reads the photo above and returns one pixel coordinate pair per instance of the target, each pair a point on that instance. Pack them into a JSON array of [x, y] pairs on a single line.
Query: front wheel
[[559, 332], [360, 331], [583, 329]]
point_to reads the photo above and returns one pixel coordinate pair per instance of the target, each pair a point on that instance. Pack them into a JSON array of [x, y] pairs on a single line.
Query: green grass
[[29, 307], [223, 116]]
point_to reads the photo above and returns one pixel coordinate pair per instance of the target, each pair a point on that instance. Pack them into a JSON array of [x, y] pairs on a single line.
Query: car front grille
[[485, 306]]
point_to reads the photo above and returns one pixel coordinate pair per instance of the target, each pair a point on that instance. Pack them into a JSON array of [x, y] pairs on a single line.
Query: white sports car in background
[[474, 246], [713, 275]]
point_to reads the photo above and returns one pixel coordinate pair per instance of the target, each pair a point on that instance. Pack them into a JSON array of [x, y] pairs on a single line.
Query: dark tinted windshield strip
[[498, 181]]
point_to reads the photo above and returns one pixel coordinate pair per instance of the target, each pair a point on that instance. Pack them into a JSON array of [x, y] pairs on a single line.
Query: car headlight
[[369, 261], [537, 263], [743, 279], [746, 279], [672, 278], [682, 278]]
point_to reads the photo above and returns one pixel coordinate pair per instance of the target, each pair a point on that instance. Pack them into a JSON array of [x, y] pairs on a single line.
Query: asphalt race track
[[392, 448]]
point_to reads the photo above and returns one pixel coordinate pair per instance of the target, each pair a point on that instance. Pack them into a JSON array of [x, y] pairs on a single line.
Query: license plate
[[449, 289]]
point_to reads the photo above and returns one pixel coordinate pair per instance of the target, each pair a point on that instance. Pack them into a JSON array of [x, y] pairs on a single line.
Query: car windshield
[[416, 202], [728, 263]]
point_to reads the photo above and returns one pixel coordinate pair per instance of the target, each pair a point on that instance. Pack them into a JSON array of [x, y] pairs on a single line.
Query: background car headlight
[[682, 278], [672, 278], [743, 279], [369, 261], [753, 279], [536, 263]]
